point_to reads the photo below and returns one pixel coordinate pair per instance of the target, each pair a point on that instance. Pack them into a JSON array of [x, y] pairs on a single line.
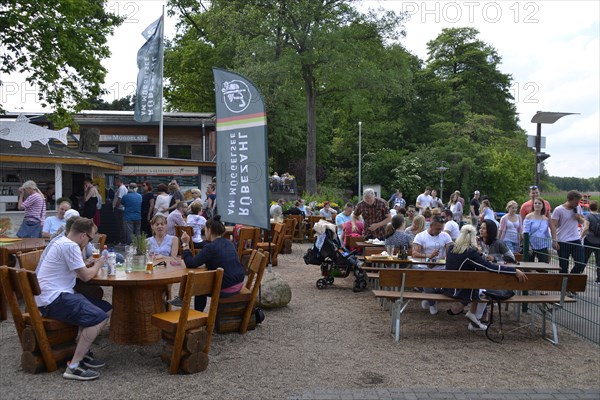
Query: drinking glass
[[129, 253], [150, 260], [96, 250], [390, 250]]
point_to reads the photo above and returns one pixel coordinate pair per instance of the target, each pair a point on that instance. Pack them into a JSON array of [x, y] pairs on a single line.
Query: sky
[[550, 48]]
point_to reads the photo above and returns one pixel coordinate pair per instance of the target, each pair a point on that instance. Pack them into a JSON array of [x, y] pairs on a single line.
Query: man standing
[[132, 202], [176, 195], [424, 200], [475, 208], [375, 213], [397, 199], [56, 273], [436, 202], [527, 207], [566, 219], [119, 209], [54, 223], [451, 227]]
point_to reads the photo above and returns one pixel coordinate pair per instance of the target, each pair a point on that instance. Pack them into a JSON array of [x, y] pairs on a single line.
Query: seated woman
[[348, 230], [463, 256], [161, 243], [418, 226], [494, 249], [197, 222], [395, 235], [218, 253]]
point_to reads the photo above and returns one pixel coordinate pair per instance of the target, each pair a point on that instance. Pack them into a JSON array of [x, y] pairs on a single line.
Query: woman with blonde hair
[[418, 226], [161, 242], [463, 256], [456, 207], [511, 226], [34, 207]]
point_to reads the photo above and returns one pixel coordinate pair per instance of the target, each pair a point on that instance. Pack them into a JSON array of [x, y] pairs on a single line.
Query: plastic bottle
[[105, 255], [112, 262]]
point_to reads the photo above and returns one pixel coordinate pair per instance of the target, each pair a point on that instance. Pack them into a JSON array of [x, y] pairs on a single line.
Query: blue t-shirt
[[132, 202]]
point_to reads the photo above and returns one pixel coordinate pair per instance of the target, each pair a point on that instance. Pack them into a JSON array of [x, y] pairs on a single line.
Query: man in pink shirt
[[527, 207]]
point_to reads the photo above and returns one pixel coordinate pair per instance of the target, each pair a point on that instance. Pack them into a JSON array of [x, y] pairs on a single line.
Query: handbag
[[497, 296], [30, 229]]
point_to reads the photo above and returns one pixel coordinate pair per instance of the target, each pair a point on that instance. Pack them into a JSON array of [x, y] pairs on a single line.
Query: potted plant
[[139, 241]]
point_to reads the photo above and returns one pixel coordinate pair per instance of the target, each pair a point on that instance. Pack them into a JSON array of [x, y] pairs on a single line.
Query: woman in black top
[[90, 198], [147, 207], [218, 253]]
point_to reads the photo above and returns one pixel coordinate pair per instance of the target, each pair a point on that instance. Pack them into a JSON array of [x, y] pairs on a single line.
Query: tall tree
[[59, 46]]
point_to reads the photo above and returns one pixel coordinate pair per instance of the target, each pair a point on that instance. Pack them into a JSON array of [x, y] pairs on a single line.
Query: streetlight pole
[[442, 169], [359, 158], [543, 117]]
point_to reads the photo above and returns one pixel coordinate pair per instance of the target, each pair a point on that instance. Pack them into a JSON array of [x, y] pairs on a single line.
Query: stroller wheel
[[357, 287], [321, 283], [362, 283], [329, 280]]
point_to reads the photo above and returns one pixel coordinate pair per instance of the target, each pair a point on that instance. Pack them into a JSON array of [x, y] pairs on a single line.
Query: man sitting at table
[[54, 223], [56, 273]]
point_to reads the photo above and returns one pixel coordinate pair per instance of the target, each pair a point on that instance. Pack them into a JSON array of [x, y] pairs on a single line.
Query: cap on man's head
[[132, 186], [71, 213], [476, 192]]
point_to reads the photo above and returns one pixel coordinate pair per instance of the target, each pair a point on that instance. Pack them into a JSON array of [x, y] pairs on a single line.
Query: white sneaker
[[425, 304], [433, 309], [480, 327], [476, 323]]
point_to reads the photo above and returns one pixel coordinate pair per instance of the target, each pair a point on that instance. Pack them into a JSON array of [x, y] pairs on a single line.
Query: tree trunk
[[311, 130], [89, 139]]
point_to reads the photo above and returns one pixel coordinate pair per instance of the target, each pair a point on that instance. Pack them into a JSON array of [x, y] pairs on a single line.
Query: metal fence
[[583, 317]]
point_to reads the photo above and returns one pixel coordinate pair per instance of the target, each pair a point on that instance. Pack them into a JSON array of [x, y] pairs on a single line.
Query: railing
[[583, 317]]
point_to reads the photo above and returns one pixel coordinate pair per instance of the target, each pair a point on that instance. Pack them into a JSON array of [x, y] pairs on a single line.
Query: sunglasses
[[533, 187], [89, 237], [439, 218]]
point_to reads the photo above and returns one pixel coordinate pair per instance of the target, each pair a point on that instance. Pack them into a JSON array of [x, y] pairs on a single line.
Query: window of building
[[143, 150], [180, 151]]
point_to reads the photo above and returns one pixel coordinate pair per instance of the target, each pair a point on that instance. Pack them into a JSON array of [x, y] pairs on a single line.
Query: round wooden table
[[136, 296]]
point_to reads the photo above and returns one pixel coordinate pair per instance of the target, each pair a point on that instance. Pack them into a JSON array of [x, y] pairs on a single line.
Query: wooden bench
[[404, 279]]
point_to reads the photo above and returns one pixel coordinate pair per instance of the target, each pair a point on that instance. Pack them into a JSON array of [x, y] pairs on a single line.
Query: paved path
[[455, 394]]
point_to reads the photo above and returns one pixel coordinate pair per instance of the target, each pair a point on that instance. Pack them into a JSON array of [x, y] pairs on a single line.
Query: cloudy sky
[[551, 49]]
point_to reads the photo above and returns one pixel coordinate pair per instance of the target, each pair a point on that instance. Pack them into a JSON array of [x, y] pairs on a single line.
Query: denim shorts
[[76, 309]]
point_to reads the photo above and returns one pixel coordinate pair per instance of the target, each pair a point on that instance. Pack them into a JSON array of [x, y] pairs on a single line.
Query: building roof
[[12, 152]]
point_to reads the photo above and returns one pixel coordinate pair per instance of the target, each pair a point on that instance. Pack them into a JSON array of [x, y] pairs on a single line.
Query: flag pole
[[162, 81]]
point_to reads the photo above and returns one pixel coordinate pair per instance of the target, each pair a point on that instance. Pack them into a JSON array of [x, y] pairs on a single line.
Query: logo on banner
[[236, 95]]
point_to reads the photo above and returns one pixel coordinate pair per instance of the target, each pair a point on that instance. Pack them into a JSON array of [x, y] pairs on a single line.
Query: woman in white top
[[537, 225], [197, 222], [511, 227], [456, 207], [486, 212], [161, 204], [161, 243]]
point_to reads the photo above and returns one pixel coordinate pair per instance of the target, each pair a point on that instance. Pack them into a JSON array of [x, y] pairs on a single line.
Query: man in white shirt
[[342, 218], [451, 227], [431, 243], [566, 219], [119, 209], [54, 223], [276, 210], [424, 200], [57, 273]]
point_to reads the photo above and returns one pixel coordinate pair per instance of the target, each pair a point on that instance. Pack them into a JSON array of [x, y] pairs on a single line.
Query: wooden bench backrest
[[11, 289], [479, 280], [247, 240], [179, 229], [29, 260]]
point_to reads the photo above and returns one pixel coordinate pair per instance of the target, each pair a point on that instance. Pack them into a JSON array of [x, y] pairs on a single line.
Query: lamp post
[[543, 117], [442, 169], [359, 158]]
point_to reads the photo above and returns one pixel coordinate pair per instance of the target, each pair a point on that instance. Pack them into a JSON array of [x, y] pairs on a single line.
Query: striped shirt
[[34, 207]]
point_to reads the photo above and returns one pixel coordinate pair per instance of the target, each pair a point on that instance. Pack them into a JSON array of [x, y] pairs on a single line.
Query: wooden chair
[[312, 220], [247, 240], [299, 231], [45, 342], [352, 240], [29, 260], [290, 228], [100, 238], [236, 313], [178, 322], [179, 229], [275, 244]]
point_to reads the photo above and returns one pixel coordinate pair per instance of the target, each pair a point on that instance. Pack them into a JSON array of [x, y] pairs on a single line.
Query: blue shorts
[[76, 309]]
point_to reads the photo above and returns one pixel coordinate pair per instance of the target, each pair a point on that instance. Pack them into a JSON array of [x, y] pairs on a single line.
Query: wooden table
[[533, 266], [10, 246], [136, 296], [409, 262]]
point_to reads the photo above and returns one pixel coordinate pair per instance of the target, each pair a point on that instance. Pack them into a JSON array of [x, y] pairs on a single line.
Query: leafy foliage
[[59, 45]]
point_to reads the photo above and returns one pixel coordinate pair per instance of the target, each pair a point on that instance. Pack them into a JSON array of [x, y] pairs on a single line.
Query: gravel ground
[[330, 338]]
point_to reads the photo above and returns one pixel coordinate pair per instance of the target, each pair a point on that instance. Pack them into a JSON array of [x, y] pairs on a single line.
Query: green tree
[[59, 46], [126, 103]]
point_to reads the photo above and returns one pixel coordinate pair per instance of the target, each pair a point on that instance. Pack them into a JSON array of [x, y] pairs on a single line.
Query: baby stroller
[[335, 260]]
